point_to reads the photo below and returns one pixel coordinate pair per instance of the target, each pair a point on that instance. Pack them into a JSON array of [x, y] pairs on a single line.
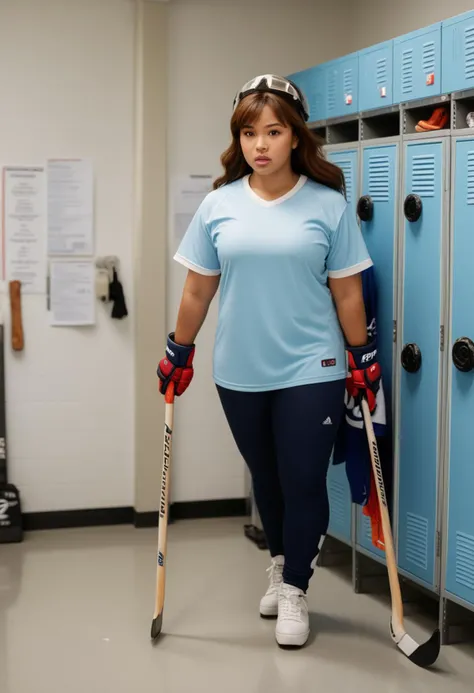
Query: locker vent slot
[[346, 166], [416, 550], [429, 56], [407, 71], [332, 92], [423, 177], [470, 178], [348, 81], [367, 529], [313, 100], [381, 72], [315, 105], [379, 178], [338, 502], [469, 52], [465, 560]]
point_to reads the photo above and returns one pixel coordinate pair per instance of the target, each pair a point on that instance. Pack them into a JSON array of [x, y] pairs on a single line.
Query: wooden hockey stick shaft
[[163, 514], [397, 604], [426, 654]]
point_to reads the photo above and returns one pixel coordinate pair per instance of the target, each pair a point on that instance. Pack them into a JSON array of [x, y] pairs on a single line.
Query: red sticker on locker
[[348, 99], [430, 79]]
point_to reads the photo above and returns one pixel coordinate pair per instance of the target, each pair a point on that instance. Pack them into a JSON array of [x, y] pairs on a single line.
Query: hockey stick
[[423, 655], [163, 516]]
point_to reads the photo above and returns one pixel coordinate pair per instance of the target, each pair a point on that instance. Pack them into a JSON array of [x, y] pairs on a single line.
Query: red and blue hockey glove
[[364, 373], [176, 366]]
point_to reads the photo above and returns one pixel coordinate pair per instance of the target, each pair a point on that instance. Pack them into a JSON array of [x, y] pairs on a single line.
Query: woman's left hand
[[364, 373]]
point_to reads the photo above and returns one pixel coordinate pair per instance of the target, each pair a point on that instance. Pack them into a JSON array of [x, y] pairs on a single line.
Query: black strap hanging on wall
[[119, 309]]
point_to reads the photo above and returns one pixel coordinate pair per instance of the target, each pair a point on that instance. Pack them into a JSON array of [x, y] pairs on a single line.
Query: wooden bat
[[18, 341]]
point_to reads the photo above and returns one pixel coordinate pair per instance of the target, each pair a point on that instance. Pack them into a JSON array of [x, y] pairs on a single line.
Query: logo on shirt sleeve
[[328, 363]]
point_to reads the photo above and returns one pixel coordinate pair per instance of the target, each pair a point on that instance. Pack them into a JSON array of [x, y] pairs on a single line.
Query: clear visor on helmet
[[274, 83]]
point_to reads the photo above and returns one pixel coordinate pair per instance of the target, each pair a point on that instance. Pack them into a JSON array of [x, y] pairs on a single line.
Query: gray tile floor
[[76, 608]]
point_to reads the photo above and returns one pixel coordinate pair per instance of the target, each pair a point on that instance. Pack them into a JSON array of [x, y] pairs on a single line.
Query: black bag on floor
[[11, 525]]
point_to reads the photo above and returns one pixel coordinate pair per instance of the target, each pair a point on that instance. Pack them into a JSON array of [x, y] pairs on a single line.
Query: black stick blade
[[156, 626], [425, 655]]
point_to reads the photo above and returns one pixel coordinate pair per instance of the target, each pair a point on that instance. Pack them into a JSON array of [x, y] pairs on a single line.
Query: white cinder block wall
[[66, 84], [67, 71], [67, 79], [215, 45]]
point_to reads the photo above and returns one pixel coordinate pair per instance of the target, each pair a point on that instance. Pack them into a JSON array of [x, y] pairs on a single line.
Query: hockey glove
[[364, 374], [176, 366]]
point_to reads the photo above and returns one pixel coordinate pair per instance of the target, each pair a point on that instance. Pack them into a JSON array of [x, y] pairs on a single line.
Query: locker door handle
[[463, 354], [411, 358], [412, 207], [365, 208]]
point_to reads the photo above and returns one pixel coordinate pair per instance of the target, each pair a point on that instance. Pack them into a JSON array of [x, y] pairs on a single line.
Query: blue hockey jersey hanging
[[351, 445]]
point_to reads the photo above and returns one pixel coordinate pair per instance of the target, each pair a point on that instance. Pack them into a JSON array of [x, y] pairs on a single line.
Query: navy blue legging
[[286, 438]]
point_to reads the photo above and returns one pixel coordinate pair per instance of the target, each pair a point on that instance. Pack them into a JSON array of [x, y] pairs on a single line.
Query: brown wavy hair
[[307, 159]]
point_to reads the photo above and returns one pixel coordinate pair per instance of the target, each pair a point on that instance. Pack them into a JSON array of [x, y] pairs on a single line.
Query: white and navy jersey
[[277, 324]]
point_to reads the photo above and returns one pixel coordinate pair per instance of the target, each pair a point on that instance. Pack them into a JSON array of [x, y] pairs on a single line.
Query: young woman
[[278, 236]]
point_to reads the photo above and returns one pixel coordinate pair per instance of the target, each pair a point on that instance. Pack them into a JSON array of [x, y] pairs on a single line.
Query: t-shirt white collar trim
[[270, 203]]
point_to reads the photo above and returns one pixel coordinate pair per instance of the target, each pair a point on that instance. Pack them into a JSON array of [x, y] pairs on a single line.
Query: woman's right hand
[[176, 366]]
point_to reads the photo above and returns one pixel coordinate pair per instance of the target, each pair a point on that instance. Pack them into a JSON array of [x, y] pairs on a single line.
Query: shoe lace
[[275, 575], [291, 604]]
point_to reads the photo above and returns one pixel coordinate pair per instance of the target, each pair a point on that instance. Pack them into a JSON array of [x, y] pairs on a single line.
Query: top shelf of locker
[[416, 33], [427, 62], [458, 18]]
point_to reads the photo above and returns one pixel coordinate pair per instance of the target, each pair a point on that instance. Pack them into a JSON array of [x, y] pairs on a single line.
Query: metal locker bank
[[457, 573], [396, 112], [423, 275], [378, 213], [346, 156], [460, 515]]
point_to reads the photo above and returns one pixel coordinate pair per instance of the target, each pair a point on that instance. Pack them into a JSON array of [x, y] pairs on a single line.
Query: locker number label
[[430, 79]]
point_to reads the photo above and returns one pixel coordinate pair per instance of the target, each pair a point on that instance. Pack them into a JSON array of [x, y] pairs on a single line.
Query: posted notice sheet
[[72, 295], [70, 207], [187, 194], [24, 227]]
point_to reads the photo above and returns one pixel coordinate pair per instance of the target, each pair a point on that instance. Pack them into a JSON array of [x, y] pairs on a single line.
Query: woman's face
[[267, 144]]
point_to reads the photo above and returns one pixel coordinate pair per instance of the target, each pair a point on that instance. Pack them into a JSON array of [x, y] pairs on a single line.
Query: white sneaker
[[292, 627], [269, 602]]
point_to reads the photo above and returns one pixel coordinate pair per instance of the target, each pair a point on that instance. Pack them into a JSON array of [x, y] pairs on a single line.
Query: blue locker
[[342, 86], [376, 76], [348, 162], [417, 64], [316, 93], [458, 53], [419, 409], [331, 89], [340, 523], [340, 505], [460, 536], [347, 96], [313, 83], [380, 184]]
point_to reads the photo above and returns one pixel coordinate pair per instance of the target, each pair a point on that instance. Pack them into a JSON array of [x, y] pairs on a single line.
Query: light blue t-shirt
[[277, 323]]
